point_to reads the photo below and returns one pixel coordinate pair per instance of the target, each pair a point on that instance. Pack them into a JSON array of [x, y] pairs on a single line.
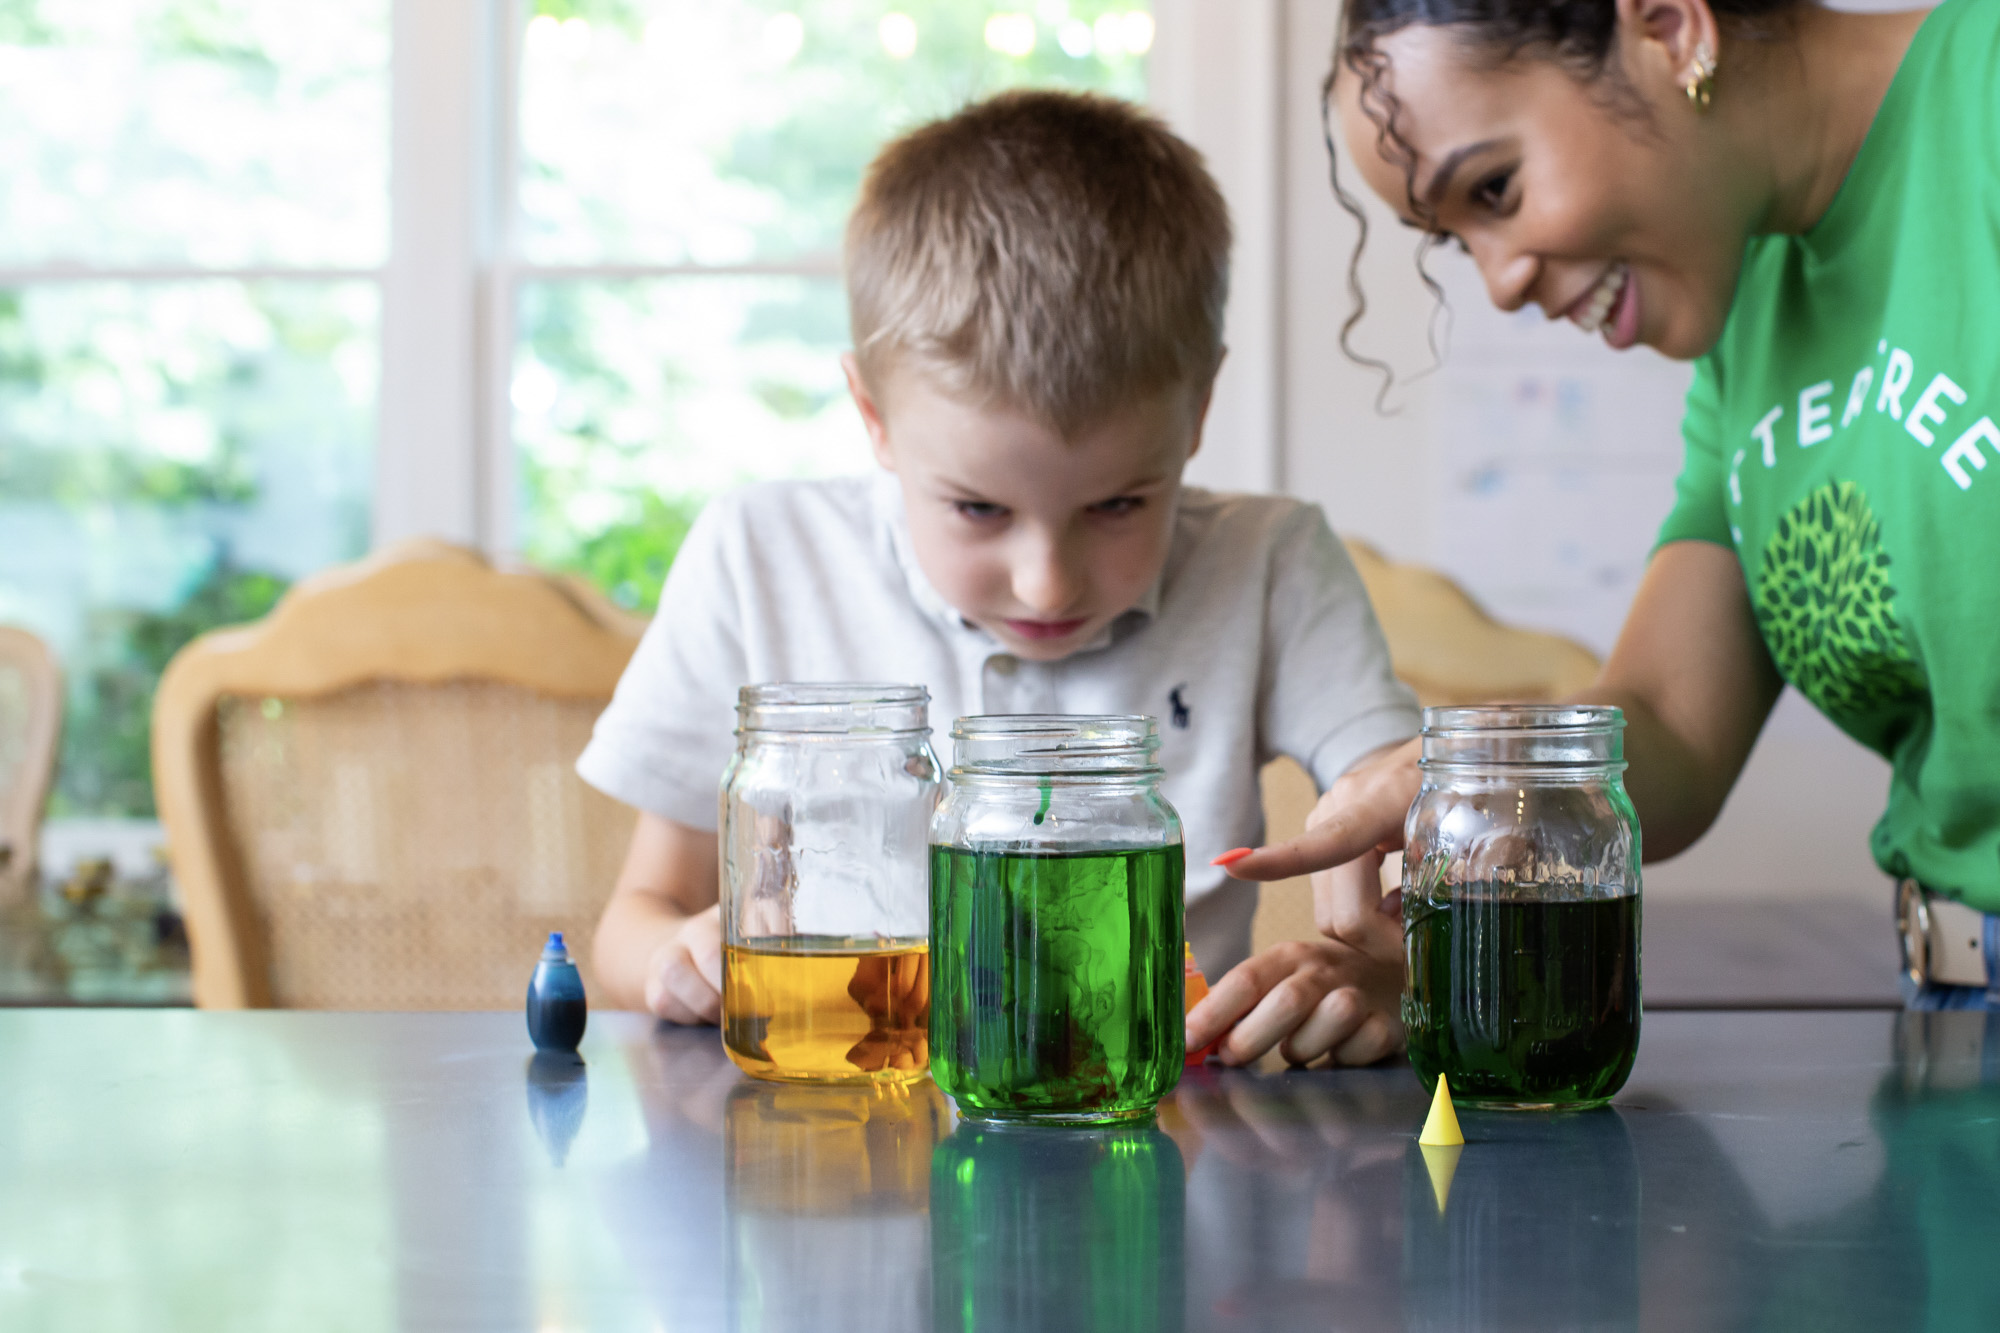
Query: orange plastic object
[[1195, 986]]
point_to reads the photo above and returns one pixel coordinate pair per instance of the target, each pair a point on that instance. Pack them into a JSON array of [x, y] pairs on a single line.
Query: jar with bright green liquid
[[1056, 922]]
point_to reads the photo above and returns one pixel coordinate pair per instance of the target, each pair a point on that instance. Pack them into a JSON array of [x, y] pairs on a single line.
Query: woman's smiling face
[[1600, 205]]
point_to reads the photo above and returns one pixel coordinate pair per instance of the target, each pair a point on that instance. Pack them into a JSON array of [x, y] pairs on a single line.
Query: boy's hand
[[1308, 998], [684, 978]]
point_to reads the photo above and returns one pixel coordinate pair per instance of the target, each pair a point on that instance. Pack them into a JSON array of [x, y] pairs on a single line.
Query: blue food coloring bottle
[[556, 1011]]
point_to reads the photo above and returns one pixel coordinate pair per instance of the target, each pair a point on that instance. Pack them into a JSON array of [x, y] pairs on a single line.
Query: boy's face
[[1038, 540]]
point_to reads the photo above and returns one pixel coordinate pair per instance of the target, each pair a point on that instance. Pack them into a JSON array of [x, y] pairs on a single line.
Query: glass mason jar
[[825, 908], [1521, 907], [1056, 921]]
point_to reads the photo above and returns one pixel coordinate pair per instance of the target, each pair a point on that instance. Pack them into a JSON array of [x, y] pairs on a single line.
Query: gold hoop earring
[[1700, 87]]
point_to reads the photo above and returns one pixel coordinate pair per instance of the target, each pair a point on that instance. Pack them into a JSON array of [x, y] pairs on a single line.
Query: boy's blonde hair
[[1056, 253]]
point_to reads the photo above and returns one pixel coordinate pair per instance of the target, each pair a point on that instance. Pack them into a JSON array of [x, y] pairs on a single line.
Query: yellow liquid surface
[[828, 1014]]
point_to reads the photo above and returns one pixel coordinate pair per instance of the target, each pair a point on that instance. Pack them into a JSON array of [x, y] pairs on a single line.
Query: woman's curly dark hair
[[1578, 34]]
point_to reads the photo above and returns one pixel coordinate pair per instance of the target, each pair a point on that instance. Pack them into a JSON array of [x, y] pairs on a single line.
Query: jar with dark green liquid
[[1056, 922], [1521, 907]]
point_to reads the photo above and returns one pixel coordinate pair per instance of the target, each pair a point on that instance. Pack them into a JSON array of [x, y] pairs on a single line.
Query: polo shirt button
[[1002, 664]]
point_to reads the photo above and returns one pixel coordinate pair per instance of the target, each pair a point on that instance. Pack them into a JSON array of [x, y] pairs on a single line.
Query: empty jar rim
[[1524, 734], [832, 708], [1056, 743]]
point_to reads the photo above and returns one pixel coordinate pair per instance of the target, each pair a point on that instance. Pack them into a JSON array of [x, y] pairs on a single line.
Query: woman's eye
[[1118, 506], [980, 511], [1492, 192]]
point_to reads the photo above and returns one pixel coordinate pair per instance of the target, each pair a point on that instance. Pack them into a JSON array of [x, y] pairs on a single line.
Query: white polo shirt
[[1257, 640]]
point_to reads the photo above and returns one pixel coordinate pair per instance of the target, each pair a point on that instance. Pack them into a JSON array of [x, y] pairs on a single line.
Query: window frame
[[446, 462]]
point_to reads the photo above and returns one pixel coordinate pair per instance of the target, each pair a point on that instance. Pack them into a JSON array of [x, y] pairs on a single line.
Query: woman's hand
[[1340, 996], [684, 976], [1363, 811], [1337, 997]]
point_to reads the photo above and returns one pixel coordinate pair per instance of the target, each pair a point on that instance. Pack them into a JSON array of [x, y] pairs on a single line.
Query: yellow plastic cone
[[1441, 1162], [1441, 1126]]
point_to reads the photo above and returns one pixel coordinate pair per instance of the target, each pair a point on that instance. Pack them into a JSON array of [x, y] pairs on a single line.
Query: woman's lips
[[1045, 629], [1594, 307], [1621, 330]]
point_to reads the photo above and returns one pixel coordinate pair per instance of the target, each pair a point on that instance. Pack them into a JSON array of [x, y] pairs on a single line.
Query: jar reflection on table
[[1072, 1229], [827, 1190], [1533, 1225], [1521, 907], [825, 883], [1056, 921]]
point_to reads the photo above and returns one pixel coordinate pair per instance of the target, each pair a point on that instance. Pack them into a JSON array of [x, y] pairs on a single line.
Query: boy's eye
[[978, 510], [1118, 505]]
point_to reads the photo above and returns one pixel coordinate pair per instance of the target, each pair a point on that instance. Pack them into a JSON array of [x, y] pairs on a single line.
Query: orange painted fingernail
[[1232, 856]]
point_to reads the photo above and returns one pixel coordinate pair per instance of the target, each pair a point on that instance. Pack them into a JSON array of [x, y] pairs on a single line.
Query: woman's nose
[[1510, 275]]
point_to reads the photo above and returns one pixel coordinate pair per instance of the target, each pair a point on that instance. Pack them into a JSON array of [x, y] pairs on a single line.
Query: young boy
[[1036, 287]]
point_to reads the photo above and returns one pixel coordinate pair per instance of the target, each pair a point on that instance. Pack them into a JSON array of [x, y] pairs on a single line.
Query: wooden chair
[[369, 796], [31, 707], [1447, 649]]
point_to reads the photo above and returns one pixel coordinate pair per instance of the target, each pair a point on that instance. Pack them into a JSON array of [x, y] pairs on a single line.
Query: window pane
[[634, 401], [727, 131], [171, 458], [186, 131]]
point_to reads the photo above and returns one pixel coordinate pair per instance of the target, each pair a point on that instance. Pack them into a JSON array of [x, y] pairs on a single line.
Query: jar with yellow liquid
[[826, 811]]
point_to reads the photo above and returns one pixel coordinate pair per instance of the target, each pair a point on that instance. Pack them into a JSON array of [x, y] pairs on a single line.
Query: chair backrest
[[369, 796], [1445, 647], [31, 707]]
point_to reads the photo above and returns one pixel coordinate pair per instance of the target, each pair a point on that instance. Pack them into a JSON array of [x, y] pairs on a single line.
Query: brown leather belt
[[1944, 942]]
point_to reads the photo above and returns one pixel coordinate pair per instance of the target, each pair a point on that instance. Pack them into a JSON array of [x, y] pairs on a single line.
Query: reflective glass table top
[[171, 1170]]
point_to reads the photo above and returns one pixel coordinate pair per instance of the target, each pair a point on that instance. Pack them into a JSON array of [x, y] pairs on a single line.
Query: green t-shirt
[[1841, 438]]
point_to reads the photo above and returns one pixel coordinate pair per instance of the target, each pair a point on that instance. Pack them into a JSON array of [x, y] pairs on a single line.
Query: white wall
[[1797, 825]]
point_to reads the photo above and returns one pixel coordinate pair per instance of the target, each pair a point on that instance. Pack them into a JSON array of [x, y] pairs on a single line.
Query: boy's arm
[[659, 942]]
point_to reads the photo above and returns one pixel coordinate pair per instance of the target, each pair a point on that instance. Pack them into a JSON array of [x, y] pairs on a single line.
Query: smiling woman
[[1804, 201], [1567, 143]]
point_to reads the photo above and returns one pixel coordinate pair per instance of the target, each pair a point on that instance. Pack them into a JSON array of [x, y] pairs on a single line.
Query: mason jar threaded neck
[[833, 708], [1056, 745], [1554, 736]]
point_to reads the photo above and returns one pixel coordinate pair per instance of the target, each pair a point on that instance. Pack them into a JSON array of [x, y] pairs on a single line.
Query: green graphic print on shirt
[[1842, 440], [1828, 610]]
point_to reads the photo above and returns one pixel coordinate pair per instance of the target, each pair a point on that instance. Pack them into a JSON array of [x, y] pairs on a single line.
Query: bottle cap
[[554, 948]]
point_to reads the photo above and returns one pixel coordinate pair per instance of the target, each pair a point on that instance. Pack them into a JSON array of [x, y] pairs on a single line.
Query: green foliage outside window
[[730, 133]]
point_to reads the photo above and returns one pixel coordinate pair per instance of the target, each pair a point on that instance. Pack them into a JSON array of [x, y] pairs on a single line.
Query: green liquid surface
[[1522, 1002], [1056, 981]]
